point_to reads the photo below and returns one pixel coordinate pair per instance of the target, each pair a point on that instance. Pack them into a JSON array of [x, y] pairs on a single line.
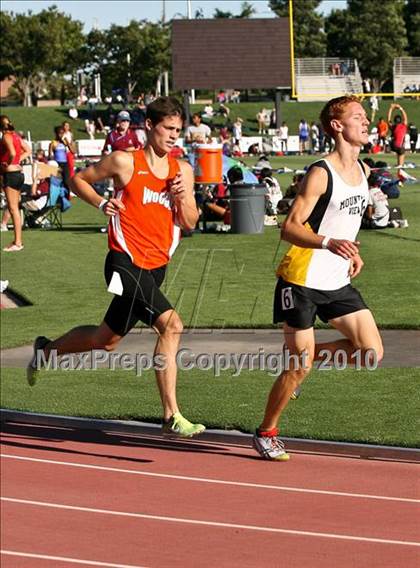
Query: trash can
[[247, 207]]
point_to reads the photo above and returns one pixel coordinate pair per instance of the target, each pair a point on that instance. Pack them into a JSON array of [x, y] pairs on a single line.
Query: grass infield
[[214, 280], [356, 406], [41, 121]]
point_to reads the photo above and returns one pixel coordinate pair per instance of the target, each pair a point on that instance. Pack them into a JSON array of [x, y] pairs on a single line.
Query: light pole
[[189, 16]]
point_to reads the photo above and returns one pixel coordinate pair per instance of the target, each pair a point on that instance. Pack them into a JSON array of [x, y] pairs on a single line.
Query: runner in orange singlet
[[152, 201]]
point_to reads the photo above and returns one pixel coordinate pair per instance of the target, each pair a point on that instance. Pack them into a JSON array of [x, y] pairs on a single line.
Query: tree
[[35, 46], [411, 13], [337, 29], [309, 37], [130, 57], [247, 10], [372, 34]]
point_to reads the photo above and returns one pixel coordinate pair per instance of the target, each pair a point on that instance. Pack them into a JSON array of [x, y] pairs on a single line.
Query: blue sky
[[104, 13]]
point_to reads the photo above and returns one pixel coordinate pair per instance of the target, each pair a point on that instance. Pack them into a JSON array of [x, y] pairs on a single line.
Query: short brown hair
[[164, 106], [334, 109]]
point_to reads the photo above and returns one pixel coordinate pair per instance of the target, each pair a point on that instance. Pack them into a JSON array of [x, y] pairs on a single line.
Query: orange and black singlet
[[147, 229]]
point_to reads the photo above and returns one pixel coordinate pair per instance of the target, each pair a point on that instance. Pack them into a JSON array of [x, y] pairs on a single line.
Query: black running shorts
[[15, 180], [140, 297], [298, 306]]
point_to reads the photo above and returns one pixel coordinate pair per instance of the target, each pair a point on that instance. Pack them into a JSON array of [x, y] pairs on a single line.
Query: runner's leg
[[299, 342], [169, 328]]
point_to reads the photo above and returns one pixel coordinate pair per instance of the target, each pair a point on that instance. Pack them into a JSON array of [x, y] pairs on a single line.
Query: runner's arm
[[293, 228], [109, 166], [182, 188]]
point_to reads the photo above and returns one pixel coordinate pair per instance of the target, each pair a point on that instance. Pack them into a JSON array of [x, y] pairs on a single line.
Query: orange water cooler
[[208, 163]]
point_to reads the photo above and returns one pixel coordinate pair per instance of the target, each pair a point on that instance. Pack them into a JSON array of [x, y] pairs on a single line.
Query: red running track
[[70, 498]]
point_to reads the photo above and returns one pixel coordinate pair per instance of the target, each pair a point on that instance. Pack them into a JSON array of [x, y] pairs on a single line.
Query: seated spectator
[[254, 149], [208, 112], [285, 204], [263, 162], [213, 203], [224, 110], [197, 132], [377, 214], [73, 114], [235, 175]]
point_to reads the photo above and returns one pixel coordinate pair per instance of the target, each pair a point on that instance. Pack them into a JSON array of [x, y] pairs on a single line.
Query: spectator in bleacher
[[414, 135], [13, 151], [236, 97], [382, 127], [399, 129], [58, 150], [284, 137], [303, 136], [121, 137], [344, 69], [197, 132]]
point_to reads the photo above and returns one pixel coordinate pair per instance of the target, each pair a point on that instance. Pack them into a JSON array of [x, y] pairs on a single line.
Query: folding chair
[[50, 216]]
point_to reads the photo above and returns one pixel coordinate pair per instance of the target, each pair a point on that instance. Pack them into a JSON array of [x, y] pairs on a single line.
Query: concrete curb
[[225, 437]]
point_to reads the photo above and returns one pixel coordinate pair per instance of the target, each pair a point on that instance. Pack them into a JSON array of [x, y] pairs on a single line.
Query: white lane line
[[215, 481], [206, 523], [66, 559]]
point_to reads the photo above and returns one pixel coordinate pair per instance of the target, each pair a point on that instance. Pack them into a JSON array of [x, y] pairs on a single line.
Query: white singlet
[[338, 214]]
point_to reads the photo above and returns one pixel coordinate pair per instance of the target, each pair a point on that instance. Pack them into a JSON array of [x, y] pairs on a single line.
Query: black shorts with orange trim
[[298, 306]]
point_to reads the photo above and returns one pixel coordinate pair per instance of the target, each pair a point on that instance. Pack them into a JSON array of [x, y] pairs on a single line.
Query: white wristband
[[102, 204], [325, 242]]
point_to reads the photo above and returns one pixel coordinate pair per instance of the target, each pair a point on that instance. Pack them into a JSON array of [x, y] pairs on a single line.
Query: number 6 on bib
[[287, 302]]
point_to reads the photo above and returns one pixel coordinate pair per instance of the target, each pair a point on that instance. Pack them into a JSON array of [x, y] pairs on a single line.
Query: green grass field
[[214, 279], [41, 121]]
